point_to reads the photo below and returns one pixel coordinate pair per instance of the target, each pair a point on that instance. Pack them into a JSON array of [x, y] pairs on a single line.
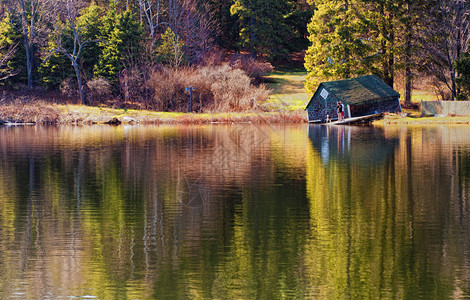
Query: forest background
[[148, 53]]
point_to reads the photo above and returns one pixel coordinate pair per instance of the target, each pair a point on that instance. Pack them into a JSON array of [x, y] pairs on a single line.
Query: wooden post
[[190, 89]]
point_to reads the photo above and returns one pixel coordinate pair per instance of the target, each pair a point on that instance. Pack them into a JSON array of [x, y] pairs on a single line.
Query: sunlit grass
[[288, 91], [413, 119], [43, 113], [420, 95]]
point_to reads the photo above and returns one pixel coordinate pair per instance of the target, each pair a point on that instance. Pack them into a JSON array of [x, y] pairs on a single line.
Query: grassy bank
[[285, 105], [394, 119], [44, 113], [287, 91]]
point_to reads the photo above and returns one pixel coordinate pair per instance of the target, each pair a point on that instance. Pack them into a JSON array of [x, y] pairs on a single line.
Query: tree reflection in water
[[234, 211]]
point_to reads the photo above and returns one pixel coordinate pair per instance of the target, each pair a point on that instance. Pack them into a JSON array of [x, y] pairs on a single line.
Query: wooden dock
[[361, 119]]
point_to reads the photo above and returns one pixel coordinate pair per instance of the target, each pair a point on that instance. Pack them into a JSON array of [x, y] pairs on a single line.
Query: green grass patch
[[288, 91], [414, 119], [419, 95]]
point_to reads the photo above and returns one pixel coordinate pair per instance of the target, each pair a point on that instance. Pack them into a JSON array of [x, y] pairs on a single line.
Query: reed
[[37, 113]]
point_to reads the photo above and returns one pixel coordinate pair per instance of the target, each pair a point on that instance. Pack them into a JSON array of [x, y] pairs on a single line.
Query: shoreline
[[37, 113], [59, 114], [394, 119]]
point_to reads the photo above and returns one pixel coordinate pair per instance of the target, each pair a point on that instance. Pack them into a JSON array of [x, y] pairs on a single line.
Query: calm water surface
[[234, 212]]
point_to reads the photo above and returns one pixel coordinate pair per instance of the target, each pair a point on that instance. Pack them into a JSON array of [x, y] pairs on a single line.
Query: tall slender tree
[[410, 22], [11, 54], [89, 23], [72, 50], [152, 14], [226, 28], [5, 56], [30, 15]]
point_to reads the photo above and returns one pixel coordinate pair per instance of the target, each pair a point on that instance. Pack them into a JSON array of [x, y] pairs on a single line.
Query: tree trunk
[[253, 38], [347, 54], [408, 58], [391, 58], [29, 62], [80, 85], [408, 86]]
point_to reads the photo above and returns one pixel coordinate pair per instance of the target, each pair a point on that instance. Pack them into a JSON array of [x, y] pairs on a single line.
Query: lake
[[234, 212]]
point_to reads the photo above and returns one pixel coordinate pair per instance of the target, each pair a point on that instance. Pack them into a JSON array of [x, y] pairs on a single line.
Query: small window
[[324, 94]]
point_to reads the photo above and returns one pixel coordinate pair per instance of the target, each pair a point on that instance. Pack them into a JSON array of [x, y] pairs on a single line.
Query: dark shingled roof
[[360, 90]]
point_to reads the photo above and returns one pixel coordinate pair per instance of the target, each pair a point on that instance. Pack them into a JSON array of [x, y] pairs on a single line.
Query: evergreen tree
[[299, 15], [122, 45], [128, 35], [11, 37], [386, 19], [54, 67], [226, 26], [170, 51], [340, 47], [462, 67], [262, 26], [89, 23]]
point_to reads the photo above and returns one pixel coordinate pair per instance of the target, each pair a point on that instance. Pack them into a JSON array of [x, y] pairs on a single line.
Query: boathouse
[[361, 97]]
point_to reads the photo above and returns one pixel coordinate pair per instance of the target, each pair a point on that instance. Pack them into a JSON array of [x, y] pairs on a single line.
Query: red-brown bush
[[217, 88]]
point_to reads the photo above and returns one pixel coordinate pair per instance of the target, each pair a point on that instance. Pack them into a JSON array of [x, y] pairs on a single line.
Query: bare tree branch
[[6, 72], [444, 38], [69, 10], [30, 14]]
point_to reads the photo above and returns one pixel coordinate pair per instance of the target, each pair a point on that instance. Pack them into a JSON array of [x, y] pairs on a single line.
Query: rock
[[128, 120], [114, 121]]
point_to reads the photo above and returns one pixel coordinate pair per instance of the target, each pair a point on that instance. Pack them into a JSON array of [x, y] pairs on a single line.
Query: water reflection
[[387, 230], [361, 145], [143, 212], [234, 212]]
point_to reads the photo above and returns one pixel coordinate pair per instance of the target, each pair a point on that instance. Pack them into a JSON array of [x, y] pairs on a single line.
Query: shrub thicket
[[217, 88]]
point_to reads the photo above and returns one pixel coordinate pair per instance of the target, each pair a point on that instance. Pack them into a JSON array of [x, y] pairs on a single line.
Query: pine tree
[[462, 66], [226, 31], [340, 47], [122, 46], [170, 50], [299, 15], [128, 34], [54, 67], [29, 14], [90, 24], [262, 27], [11, 37], [386, 19]]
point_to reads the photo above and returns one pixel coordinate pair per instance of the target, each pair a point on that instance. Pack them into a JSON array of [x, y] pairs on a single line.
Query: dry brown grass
[[44, 113], [37, 112], [217, 89]]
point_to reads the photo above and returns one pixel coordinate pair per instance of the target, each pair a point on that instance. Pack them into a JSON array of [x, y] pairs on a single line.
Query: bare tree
[[5, 56], [192, 24], [445, 39], [68, 10], [152, 12], [30, 14]]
